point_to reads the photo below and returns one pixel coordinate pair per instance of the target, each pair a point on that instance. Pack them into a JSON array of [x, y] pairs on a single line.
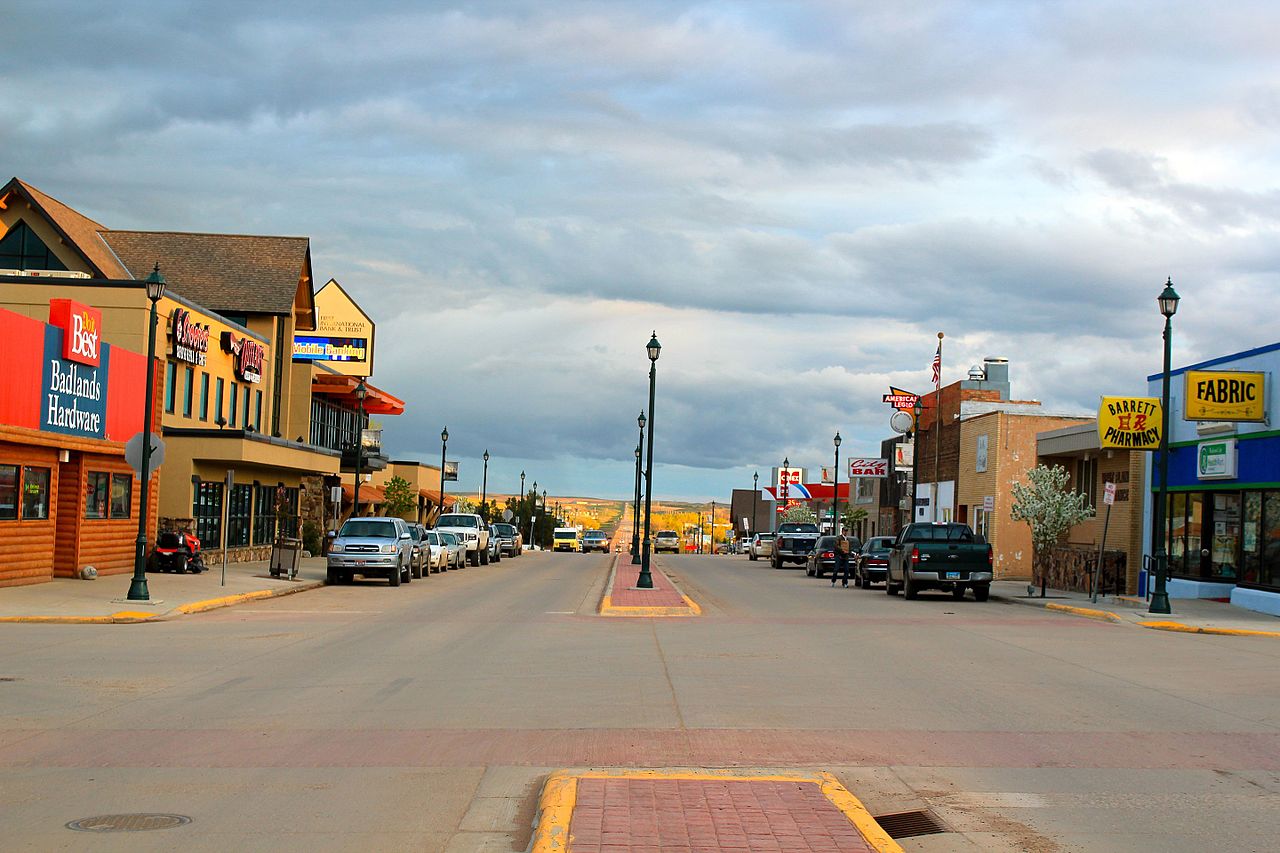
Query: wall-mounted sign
[[903, 400], [249, 356], [75, 395], [317, 348], [1225, 395], [190, 339], [868, 467], [1216, 460], [989, 503], [1130, 423], [980, 452], [81, 330], [343, 337], [450, 471]]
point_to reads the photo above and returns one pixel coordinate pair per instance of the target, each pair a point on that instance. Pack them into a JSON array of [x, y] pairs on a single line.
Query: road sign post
[[1108, 498]]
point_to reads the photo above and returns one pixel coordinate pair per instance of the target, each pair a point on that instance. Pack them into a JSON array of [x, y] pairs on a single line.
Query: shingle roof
[[225, 272], [82, 233]]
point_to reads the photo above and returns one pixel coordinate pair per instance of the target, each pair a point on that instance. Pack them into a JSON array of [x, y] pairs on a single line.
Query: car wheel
[[330, 577], [889, 588], [981, 593], [483, 556], [909, 590], [809, 571], [751, 556], [406, 573], [394, 577], [857, 579], [957, 592], [416, 571]]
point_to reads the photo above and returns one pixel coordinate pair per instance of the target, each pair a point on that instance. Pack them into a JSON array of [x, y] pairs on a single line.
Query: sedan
[[457, 550], [438, 560], [873, 562], [761, 545], [822, 558]]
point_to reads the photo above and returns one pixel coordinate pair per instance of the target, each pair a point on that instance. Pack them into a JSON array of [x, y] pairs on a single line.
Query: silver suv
[[380, 546], [471, 531]]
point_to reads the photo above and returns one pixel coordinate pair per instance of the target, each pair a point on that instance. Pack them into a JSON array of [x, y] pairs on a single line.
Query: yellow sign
[[1225, 395], [1130, 423]]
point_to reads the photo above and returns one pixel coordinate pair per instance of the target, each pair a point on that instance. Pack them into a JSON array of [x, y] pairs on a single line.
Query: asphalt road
[[425, 717]]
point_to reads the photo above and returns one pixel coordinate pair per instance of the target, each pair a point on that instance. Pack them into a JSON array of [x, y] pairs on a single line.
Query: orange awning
[[343, 388], [369, 494], [433, 496]]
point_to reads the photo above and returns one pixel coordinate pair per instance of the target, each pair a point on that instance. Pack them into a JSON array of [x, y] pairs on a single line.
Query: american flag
[[937, 367]]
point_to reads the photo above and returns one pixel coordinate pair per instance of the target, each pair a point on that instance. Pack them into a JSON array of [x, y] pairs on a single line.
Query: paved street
[[427, 717]]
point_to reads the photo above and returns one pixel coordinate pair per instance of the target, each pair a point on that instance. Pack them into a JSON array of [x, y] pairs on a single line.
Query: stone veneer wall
[[1070, 567]]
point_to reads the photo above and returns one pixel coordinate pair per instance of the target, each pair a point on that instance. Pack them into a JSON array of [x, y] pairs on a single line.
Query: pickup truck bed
[[793, 543]]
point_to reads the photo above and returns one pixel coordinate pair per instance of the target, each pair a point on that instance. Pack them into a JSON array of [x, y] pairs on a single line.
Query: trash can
[[285, 553]]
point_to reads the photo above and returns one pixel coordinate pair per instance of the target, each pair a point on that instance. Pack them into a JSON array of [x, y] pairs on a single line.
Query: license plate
[[953, 576], [359, 562]]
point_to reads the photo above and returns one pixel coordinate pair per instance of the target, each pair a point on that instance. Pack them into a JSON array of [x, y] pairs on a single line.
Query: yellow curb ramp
[[608, 608], [560, 793], [1086, 612], [124, 617], [1196, 629]]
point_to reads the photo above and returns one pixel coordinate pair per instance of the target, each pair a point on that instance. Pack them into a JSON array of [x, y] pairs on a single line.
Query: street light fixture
[[755, 492], [544, 502], [835, 494], [361, 392], [645, 581], [484, 487], [1168, 302], [635, 519], [533, 510], [444, 448], [138, 585]]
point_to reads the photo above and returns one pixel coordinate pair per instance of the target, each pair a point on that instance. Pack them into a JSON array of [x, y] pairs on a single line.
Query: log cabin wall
[[109, 544], [26, 546], [70, 477]]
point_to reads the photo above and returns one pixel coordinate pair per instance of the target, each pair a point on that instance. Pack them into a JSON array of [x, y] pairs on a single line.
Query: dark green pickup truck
[[939, 555]]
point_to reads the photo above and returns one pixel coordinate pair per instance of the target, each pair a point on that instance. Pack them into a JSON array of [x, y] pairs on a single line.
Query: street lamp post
[[918, 410], [635, 520], [645, 581], [1168, 301], [444, 448], [755, 491], [544, 502], [533, 510], [484, 487], [361, 392], [138, 586], [713, 528], [835, 492]]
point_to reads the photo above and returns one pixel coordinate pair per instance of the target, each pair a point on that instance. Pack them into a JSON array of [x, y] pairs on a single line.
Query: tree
[[399, 498], [1049, 509], [850, 516], [800, 513]]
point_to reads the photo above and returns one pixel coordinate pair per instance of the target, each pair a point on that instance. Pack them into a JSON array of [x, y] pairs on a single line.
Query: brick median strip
[[703, 810], [621, 598]]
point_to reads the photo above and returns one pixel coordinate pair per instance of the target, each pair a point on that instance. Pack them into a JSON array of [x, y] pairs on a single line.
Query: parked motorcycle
[[177, 552]]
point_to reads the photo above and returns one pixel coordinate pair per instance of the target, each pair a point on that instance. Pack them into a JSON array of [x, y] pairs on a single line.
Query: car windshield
[[433, 538], [364, 527], [594, 534], [939, 533], [458, 521], [505, 529], [794, 527], [764, 537], [566, 534], [827, 542], [667, 534], [879, 543], [448, 538]]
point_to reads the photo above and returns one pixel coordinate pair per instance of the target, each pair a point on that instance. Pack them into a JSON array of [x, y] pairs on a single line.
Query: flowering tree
[[1048, 507], [800, 514]]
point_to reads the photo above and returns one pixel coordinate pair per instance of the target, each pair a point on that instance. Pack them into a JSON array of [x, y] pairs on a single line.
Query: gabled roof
[[80, 233], [226, 272]]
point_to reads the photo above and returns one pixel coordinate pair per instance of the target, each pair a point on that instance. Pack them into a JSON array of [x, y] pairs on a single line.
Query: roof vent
[[977, 374]]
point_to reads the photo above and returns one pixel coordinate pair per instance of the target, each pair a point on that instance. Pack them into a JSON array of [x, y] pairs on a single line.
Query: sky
[[796, 196]]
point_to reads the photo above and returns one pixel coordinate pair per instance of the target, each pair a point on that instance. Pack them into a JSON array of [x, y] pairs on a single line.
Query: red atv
[[177, 552]]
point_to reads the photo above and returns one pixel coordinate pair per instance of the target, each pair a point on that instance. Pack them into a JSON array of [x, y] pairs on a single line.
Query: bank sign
[[1129, 423], [1225, 395]]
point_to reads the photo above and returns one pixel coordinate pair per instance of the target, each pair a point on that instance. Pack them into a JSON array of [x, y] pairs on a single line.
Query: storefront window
[[235, 399], [188, 391], [206, 509], [8, 492], [264, 517], [204, 396], [289, 513], [96, 491], [239, 516], [121, 495], [170, 380], [244, 414], [35, 493], [257, 411], [1269, 540], [217, 404]]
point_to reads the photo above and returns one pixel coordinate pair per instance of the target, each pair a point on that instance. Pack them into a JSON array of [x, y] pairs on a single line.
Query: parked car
[[873, 562], [438, 559], [565, 539], [761, 546], [793, 543], [509, 539], [822, 558], [420, 550], [666, 540], [379, 546], [457, 551], [939, 555], [471, 529], [495, 551], [595, 540]]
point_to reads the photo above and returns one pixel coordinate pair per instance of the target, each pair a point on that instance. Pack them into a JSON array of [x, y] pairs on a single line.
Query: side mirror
[[333, 534]]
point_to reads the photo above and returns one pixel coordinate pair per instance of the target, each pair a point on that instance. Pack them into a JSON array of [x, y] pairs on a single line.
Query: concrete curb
[[608, 608], [560, 792], [134, 617], [1119, 619], [1196, 629]]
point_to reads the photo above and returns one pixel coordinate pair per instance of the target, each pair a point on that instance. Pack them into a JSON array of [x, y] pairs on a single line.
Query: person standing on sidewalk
[[843, 547]]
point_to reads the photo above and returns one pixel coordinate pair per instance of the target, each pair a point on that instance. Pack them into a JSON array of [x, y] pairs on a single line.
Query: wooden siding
[[26, 547]]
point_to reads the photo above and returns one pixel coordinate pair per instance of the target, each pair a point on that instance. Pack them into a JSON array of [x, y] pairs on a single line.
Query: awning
[[369, 494], [808, 491], [343, 389], [433, 496]]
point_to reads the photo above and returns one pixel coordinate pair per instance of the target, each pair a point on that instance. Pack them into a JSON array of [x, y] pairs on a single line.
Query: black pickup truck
[[793, 543], [939, 555]]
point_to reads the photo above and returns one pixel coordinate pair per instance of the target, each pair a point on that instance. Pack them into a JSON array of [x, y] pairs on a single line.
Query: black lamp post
[[784, 490], [835, 494], [361, 392], [544, 501], [635, 520], [755, 491], [917, 410], [645, 581], [138, 586], [713, 529], [1168, 301], [533, 510], [484, 487], [444, 447]]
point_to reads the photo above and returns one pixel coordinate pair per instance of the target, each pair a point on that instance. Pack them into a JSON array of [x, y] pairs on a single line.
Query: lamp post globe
[[645, 580], [138, 590], [1168, 302]]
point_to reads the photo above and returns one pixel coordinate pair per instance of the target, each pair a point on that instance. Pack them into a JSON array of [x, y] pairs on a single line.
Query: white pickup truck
[[471, 531]]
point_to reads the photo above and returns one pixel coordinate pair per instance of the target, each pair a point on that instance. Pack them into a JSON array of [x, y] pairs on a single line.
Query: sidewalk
[[621, 598], [102, 600], [1190, 615]]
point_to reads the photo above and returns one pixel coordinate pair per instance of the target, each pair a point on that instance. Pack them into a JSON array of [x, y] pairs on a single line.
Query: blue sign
[[321, 348], [73, 396]]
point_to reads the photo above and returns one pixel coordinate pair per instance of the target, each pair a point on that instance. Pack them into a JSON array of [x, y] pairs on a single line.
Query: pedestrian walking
[[843, 546]]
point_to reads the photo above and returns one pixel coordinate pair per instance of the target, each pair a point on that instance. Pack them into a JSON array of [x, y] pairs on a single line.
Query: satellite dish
[[901, 421]]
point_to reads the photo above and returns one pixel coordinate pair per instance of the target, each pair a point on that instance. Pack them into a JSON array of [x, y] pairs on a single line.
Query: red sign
[[250, 356], [81, 330], [190, 340], [899, 399], [868, 467]]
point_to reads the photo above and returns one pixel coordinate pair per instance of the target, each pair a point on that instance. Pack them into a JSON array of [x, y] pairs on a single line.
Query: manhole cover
[[910, 824], [128, 822]]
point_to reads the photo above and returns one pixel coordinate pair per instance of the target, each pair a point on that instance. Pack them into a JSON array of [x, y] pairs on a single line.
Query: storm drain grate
[[910, 824], [128, 822]]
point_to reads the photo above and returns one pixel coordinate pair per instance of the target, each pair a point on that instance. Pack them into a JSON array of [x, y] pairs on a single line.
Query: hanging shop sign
[[1130, 423], [1216, 460], [902, 400], [868, 467], [190, 339], [1225, 395], [249, 356], [450, 471]]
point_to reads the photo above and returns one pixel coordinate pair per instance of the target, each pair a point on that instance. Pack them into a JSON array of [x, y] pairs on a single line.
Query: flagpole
[[937, 429]]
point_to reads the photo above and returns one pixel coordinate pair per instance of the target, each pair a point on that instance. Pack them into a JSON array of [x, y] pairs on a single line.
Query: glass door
[[1224, 544]]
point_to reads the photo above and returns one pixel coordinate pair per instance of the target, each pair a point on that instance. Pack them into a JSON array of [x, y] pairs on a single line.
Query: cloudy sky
[[796, 195]]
